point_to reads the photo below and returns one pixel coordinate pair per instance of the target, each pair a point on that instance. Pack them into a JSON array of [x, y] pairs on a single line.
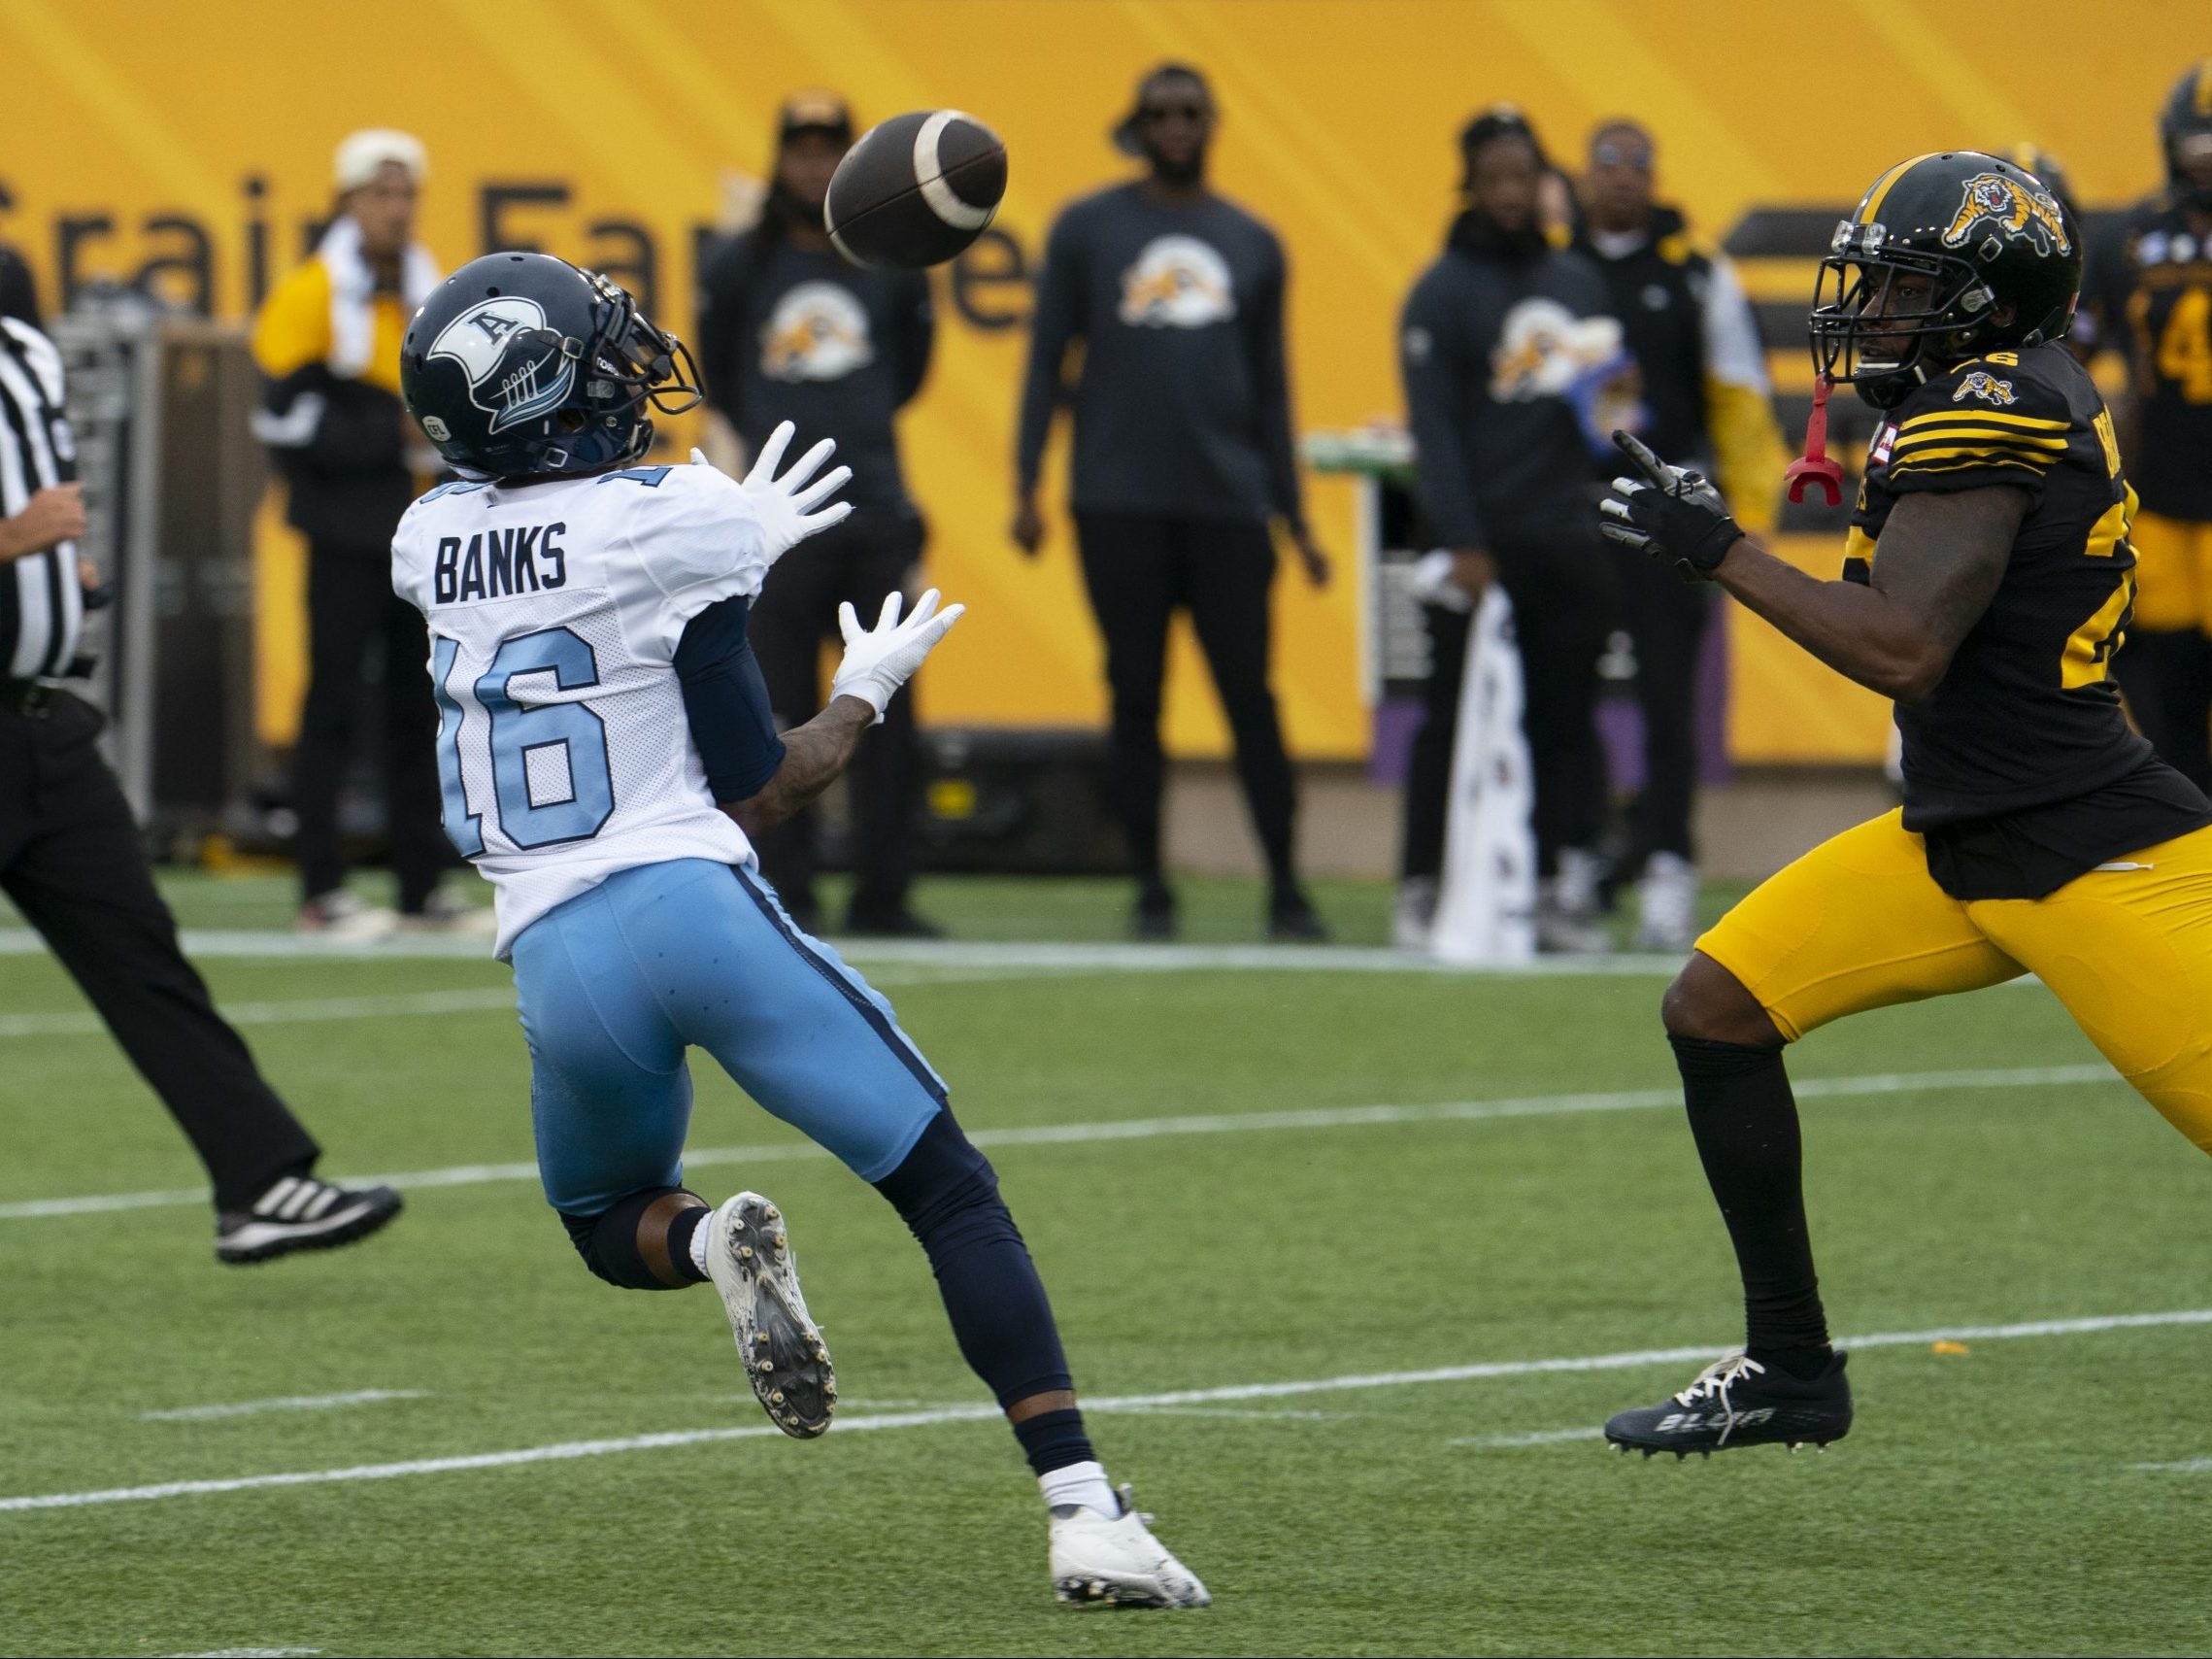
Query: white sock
[[1081, 1483], [699, 1244]]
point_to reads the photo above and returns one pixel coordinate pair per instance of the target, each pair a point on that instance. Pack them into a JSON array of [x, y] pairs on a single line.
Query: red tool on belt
[[1814, 466]]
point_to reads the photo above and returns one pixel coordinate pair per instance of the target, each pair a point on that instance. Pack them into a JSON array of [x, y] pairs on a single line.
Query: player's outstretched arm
[[1940, 560], [876, 662]]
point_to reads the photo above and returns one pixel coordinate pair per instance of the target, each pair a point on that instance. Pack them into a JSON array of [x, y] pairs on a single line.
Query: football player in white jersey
[[605, 745]]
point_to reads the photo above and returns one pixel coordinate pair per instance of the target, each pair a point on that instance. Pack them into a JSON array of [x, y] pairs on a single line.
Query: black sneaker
[[1293, 920], [1154, 917], [894, 924], [1737, 1402], [301, 1213]]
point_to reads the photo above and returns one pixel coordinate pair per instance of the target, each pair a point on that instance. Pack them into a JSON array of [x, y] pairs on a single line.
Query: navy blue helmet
[[521, 365]]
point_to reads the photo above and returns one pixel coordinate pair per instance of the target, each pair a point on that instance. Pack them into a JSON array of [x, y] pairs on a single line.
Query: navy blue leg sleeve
[[948, 1194]]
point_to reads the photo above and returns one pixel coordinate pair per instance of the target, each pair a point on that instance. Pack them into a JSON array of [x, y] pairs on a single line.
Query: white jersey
[[565, 753]]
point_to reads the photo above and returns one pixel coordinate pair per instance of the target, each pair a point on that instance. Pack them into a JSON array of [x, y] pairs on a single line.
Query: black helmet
[[520, 364], [2187, 119], [2050, 173], [1985, 232]]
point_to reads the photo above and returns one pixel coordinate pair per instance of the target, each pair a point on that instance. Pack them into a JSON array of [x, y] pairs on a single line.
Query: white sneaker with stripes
[[299, 1212]]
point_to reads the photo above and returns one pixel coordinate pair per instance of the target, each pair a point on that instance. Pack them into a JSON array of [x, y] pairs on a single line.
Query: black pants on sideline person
[[1564, 604], [1140, 568], [351, 611], [71, 860], [861, 561], [1666, 617]]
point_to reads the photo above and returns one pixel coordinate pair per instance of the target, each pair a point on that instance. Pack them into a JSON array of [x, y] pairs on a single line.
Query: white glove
[[878, 661], [783, 504]]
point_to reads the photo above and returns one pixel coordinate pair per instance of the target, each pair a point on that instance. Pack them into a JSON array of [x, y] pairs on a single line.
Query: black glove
[[1669, 513]]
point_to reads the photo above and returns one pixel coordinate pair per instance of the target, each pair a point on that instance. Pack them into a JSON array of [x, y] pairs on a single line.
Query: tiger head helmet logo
[[2016, 210]]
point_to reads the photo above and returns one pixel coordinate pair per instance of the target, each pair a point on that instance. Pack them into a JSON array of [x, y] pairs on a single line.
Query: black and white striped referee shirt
[[42, 606]]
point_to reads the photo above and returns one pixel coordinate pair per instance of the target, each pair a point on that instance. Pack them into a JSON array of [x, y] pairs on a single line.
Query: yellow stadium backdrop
[[144, 130]]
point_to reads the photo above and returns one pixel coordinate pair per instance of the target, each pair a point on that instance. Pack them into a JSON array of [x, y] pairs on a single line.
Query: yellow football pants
[[1858, 923], [2173, 573]]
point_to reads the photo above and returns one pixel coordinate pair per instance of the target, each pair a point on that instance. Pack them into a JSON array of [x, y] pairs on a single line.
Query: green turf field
[[1251, 1230]]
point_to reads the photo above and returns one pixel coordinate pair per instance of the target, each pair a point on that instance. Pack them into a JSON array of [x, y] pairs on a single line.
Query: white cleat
[[750, 1260], [1115, 1561]]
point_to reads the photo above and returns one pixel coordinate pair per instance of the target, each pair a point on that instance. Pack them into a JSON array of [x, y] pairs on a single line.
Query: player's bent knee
[[1708, 1002], [627, 1243], [945, 1186]]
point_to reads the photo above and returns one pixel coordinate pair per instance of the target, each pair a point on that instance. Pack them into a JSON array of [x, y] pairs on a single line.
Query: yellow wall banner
[[189, 146]]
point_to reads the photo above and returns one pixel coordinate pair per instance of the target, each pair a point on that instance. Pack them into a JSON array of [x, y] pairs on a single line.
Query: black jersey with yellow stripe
[[2020, 767], [2162, 285]]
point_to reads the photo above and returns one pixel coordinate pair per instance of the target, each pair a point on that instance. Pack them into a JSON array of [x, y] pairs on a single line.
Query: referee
[[70, 857]]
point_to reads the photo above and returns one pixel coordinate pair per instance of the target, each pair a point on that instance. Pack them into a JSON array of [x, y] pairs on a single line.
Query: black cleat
[[301, 1213], [750, 1260], [1737, 1402]]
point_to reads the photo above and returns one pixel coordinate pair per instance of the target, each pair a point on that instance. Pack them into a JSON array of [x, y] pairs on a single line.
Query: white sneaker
[[1666, 904], [337, 915], [1115, 1561], [1567, 923], [751, 1262], [1414, 917], [444, 913]]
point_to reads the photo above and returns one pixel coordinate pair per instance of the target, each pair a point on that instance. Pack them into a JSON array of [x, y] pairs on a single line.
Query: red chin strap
[[1814, 466]]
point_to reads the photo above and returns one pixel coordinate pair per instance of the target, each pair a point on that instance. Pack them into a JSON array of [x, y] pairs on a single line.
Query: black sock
[[680, 1233], [1054, 1440], [1745, 1121]]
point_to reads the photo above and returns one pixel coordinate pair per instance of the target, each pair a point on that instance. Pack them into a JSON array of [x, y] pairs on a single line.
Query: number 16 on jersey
[[549, 777]]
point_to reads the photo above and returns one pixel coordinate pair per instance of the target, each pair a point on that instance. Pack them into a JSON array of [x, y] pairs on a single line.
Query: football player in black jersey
[[2156, 291], [1986, 584]]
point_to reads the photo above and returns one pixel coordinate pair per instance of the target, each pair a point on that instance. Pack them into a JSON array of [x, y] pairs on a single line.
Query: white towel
[[353, 292], [1487, 911]]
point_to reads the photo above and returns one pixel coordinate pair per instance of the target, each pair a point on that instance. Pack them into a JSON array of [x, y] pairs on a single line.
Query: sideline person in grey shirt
[[1183, 459]]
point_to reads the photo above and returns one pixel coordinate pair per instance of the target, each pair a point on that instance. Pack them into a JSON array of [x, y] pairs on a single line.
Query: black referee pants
[[1140, 569], [861, 561], [1666, 617], [351, 611], [71, 858], [1564, 606]]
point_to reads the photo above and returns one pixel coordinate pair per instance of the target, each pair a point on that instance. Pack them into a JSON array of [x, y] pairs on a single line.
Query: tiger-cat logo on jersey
[[1985, 386], [2017, 211]]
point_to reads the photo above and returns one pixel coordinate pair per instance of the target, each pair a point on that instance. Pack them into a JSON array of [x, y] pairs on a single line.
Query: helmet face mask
[[1948, 256], [521, 365], [1881, 313]]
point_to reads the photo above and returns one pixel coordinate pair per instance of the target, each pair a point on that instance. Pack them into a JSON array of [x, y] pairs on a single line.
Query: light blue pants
[[617, 983]]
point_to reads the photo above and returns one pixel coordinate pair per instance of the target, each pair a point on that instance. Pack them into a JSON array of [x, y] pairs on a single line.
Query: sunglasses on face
[[1621, 155], [1151, 114]]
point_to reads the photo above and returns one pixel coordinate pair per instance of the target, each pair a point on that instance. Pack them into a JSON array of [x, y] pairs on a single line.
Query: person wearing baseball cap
[[327, 345], [788, 330]]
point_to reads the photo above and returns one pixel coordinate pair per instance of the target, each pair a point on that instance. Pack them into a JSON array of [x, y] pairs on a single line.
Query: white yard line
[[569, 1450], [1543, 1438], [2187, 1466], [285, 1402], [304, 1010], [1013, 954], [1211, 1123]]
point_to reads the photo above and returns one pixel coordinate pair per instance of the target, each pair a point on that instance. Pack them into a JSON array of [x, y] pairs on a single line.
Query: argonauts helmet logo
[[518, 369], [816, 331], [1178, 282], [2018, 211]]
